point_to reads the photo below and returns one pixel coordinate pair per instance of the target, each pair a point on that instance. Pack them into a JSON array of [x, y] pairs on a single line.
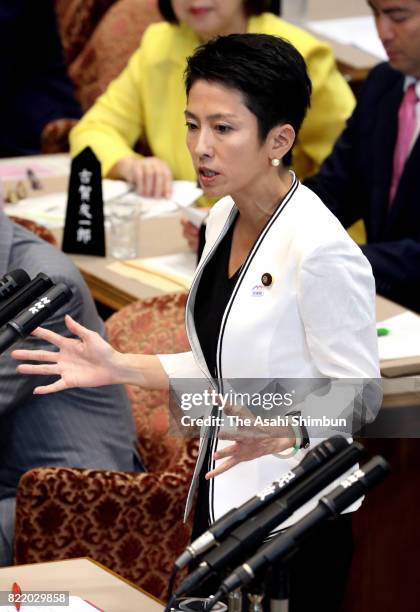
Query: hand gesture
[[249, 441], [150, 176], [246, 448], [88, 361]]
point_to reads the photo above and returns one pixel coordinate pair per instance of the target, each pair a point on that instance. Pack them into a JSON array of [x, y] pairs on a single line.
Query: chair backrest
[[98, 37], [36, 228], [152, 326], [76, 21]]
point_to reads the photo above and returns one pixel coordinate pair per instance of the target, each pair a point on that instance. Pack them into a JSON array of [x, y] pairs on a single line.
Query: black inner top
[[213, 294]]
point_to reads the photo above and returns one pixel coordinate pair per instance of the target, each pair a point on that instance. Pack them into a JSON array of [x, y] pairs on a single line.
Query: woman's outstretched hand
[[88, 361]]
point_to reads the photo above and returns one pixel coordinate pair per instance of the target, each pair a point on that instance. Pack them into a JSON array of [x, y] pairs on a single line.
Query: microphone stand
[[274, 590], [235, 601], [255, 602], [279, 588]]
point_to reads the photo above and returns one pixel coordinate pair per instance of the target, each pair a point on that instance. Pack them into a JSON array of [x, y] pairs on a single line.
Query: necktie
[[406, 127]]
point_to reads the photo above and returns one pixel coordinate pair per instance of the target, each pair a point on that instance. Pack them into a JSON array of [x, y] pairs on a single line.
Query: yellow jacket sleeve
[[115, 122], [146, 101]]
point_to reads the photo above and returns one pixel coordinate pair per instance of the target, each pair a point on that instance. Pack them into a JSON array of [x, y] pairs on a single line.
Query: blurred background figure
[[89, 428], [147, 100], [35, 86], [372, 172]]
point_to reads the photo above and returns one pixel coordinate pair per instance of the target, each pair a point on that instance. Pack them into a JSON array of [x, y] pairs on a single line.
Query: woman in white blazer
[[281, 291]]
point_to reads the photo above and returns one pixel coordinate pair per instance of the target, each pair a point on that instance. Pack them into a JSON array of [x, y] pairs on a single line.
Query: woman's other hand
[[88, 361], [246, 448], [190, 233], [150, 176], [250, 440]]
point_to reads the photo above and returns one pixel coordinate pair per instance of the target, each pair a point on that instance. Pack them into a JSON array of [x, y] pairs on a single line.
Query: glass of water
[[123, 236]]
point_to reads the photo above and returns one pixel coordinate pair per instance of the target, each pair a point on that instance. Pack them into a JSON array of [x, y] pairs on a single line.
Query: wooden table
[[82, 577], [400, 387], [158, 236]]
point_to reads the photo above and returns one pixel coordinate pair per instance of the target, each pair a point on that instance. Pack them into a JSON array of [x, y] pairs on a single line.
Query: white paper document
[[50, 210], [180, 266], [184, 193], [44, 166], [403, 339], [168, 273], [356, 31]]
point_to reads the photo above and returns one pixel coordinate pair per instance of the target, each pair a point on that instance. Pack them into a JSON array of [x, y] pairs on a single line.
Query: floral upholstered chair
[[98, 37], [131, 523]]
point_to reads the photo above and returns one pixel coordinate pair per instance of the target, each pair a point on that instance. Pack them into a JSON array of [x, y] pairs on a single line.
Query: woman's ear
[[280, 140]]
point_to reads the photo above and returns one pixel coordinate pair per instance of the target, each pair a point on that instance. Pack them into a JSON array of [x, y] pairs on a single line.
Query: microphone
[[27, 320], [317, 456], [331, 505], [250, 534], [12, 282], [24, 297]]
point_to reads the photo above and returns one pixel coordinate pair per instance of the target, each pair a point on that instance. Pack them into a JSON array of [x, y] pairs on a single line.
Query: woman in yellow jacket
[[148, 100]]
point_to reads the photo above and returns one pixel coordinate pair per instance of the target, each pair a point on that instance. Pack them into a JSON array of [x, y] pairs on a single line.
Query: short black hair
[[252, 7], [269, 72]]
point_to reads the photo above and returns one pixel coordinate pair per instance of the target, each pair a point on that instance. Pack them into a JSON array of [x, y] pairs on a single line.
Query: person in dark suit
[[85, 428], [373, 170], [34, 82]]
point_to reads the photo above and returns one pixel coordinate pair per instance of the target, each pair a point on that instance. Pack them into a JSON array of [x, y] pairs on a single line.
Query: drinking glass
[[124, 218]]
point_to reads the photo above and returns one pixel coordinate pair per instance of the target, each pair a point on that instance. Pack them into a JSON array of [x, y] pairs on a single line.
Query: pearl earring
[[275, 162]]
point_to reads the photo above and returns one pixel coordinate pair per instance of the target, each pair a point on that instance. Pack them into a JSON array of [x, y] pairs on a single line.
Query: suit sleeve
[[181, 365], [396, 268], [116, 121], [15, 388], [337, 304]]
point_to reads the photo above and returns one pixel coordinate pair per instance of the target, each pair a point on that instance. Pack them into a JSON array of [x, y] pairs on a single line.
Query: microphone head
[[333, 445], [36, 313], [12, 282], [23, 296], [357, 484], [323, 451]]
